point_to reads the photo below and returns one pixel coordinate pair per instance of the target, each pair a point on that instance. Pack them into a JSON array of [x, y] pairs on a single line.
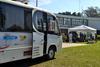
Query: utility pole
[[79, 6], [36, 3]]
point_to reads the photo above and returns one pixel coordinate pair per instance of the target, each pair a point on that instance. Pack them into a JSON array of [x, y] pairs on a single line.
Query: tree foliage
[[92, 12], [71, 14], [65, 13], [74, 14]]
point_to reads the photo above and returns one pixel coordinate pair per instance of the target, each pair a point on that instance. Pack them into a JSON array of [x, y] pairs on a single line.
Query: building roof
[[76, 17]]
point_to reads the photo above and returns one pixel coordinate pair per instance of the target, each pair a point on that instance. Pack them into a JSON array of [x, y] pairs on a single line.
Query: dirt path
[[64, 45]]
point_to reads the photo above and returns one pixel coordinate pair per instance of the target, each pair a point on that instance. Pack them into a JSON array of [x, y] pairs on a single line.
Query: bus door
[[38, 40], [39, 34]]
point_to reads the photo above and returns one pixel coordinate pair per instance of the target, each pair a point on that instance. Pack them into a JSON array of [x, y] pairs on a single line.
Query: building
[[66, 22]]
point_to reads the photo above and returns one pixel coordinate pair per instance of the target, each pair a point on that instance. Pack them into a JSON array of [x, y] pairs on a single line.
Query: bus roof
[[16, 3]]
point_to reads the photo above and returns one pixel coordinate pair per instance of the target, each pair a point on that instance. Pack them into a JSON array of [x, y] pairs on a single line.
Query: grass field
[[83, 56]]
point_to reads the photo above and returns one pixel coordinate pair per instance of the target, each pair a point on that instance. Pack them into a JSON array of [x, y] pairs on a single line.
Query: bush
[[98, 37], [65, 38]]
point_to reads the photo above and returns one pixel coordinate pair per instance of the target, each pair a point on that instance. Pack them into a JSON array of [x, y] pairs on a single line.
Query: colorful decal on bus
[[22, 37], [8, 37]]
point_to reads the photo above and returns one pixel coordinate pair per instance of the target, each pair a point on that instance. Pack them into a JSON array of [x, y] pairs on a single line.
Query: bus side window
[[28, 20], [14, 18], [52, 25], [2, 19]]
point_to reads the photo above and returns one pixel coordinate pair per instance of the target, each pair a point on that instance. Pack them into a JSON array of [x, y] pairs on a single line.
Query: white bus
[[27, 32]]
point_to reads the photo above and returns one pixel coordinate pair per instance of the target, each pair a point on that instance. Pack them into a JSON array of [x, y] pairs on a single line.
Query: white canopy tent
[[82, 28]]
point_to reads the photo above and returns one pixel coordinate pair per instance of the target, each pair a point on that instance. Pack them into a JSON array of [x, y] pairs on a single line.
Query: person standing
[[70, 37]]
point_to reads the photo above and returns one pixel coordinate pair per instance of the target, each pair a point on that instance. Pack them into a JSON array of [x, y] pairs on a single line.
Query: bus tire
[[51, 53]]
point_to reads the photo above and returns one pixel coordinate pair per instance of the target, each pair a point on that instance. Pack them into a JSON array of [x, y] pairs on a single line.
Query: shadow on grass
[[25, 63]]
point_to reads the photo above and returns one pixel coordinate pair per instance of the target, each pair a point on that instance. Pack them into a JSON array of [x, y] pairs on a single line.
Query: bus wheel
[[51, 53]]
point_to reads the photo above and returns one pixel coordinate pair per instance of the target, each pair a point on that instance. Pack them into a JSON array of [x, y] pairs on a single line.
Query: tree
[[79, 14], [71, 14], [68, 13], [65, 13], [74, 14], [92, 12]]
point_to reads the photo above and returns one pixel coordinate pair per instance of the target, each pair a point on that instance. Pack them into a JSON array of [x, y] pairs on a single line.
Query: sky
[[56, 6]]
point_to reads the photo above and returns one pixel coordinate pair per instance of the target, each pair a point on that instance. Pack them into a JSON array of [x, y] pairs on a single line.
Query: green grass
[[98, 35], [83, 56]]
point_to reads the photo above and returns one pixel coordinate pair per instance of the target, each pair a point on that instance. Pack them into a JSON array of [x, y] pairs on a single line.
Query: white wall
[[95, 23]]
